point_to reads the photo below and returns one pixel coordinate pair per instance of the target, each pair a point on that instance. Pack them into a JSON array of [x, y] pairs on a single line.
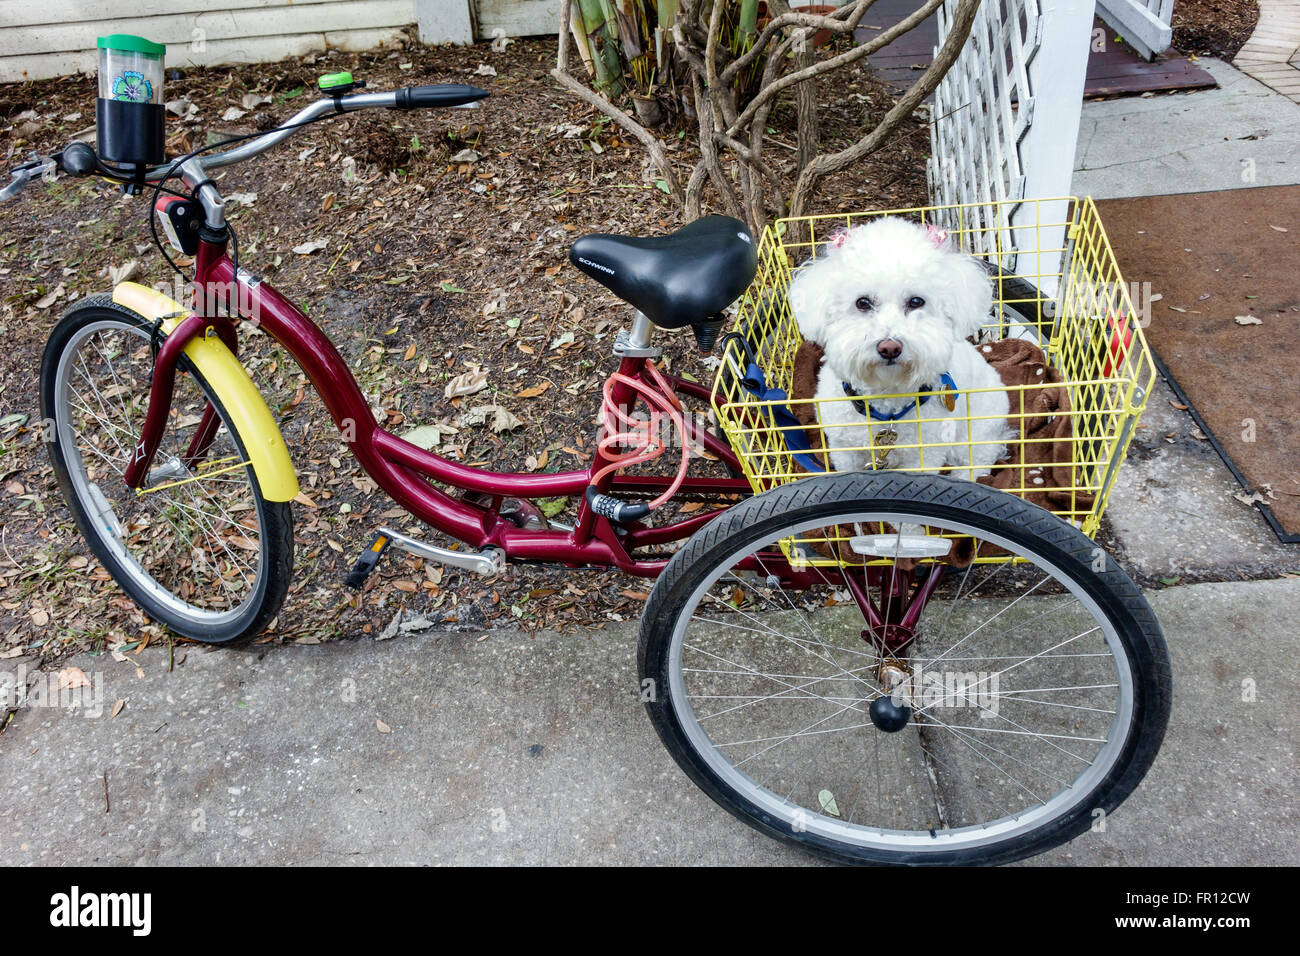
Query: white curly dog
[[891, 304]]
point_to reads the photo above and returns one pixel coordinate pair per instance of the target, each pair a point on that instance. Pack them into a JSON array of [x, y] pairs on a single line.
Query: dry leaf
[[410, 352], [73, 677], [127, 270], [466, 384], [1277, 228], [501, 419], [382, 727], [117, 707], [47, 300], [307, 248], [427, 436], [535, 391]]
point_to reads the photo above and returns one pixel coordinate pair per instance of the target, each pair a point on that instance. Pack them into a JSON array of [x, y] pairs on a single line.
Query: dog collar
[[862, 408]]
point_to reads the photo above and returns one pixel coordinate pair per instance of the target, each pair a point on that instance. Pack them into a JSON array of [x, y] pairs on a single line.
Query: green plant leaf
[[552, 506]]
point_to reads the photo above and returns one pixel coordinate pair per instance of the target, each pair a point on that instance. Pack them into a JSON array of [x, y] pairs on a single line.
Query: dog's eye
[[915, 302], [864, 303]]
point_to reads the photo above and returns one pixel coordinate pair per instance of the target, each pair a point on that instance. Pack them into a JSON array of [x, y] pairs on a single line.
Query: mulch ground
[[434, 266], [1214, 27]]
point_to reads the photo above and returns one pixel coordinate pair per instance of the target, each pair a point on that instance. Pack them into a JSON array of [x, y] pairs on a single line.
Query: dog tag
[[881, 444], [949, 398]]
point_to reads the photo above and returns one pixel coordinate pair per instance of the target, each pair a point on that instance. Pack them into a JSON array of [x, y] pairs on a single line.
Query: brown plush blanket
[[1039, 415]]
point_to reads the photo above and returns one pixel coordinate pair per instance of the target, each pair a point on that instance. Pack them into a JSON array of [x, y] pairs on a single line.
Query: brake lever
[[22, 175]]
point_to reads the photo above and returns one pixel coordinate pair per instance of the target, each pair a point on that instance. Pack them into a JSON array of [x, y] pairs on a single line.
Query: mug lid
[[131, 44]]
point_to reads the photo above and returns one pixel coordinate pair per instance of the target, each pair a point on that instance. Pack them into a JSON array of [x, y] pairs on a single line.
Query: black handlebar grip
[[438, 94]]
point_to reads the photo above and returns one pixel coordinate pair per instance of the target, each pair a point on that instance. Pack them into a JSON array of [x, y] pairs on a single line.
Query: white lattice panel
[[981, 113]]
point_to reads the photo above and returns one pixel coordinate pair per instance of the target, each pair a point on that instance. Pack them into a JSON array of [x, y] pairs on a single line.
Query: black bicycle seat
[[679, 279]]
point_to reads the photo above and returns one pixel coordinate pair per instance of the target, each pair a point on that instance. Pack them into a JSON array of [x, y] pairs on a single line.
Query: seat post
[[642, 329], [635, 342]]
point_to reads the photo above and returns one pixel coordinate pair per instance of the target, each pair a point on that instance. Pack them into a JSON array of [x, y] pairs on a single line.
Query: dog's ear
[[970, 294], [808, 298]]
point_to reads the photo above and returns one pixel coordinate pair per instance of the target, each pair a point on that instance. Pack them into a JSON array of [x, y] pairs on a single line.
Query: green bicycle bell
[[337, 84]]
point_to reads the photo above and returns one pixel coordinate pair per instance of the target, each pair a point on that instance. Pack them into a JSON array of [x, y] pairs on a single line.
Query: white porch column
[[1056, 80]]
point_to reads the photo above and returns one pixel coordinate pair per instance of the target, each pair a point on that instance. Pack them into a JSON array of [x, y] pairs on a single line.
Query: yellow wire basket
[[1056, 285]]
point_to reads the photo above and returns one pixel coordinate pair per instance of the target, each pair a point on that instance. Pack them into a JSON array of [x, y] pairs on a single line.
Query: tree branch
[[844, 59], [843, 20], [959, 29], [653, 146]]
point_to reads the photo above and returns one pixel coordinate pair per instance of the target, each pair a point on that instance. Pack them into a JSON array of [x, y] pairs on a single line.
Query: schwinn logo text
[[595, 265], [74, 909]]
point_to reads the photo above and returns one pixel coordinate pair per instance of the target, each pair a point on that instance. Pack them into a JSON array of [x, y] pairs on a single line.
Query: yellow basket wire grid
[[1056, 284]]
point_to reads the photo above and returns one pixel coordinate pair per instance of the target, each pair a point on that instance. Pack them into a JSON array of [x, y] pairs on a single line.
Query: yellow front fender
[[239, 396]]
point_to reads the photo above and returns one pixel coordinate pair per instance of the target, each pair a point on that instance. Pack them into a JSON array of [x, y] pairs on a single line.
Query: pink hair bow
[[936, 235]]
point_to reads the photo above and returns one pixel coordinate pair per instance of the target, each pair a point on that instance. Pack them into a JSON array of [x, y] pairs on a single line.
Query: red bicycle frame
[[405, 470]]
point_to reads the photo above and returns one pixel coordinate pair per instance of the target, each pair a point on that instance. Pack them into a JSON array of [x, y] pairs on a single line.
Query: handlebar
[[25, 173], [454, 95]]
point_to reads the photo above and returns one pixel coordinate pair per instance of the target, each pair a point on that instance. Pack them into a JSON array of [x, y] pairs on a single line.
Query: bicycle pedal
[[488, 562], [369, 558]]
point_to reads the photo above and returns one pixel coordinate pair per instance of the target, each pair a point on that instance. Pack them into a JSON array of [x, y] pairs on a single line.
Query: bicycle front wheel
[[198, 548], [815, 670]]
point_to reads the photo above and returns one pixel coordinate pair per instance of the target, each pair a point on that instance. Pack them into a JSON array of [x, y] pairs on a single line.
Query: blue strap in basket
[[755, 383]]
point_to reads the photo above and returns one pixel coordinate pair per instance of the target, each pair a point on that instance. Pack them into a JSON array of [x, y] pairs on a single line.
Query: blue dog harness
[[755, 383], [796, 439], [862, 408]]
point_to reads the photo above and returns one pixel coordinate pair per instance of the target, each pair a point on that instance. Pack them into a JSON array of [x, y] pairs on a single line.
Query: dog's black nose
[[889, 349]]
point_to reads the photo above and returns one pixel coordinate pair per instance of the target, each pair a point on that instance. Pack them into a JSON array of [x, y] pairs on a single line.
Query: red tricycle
[[813, 655]]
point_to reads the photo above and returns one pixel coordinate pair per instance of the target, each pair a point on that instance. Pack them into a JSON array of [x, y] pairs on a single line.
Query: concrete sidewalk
[[1173, 510], [1240, 135], [535, 750]]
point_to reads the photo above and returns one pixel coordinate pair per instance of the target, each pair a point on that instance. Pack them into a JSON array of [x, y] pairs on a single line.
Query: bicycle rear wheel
[[199, 549], [1033, 688]]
